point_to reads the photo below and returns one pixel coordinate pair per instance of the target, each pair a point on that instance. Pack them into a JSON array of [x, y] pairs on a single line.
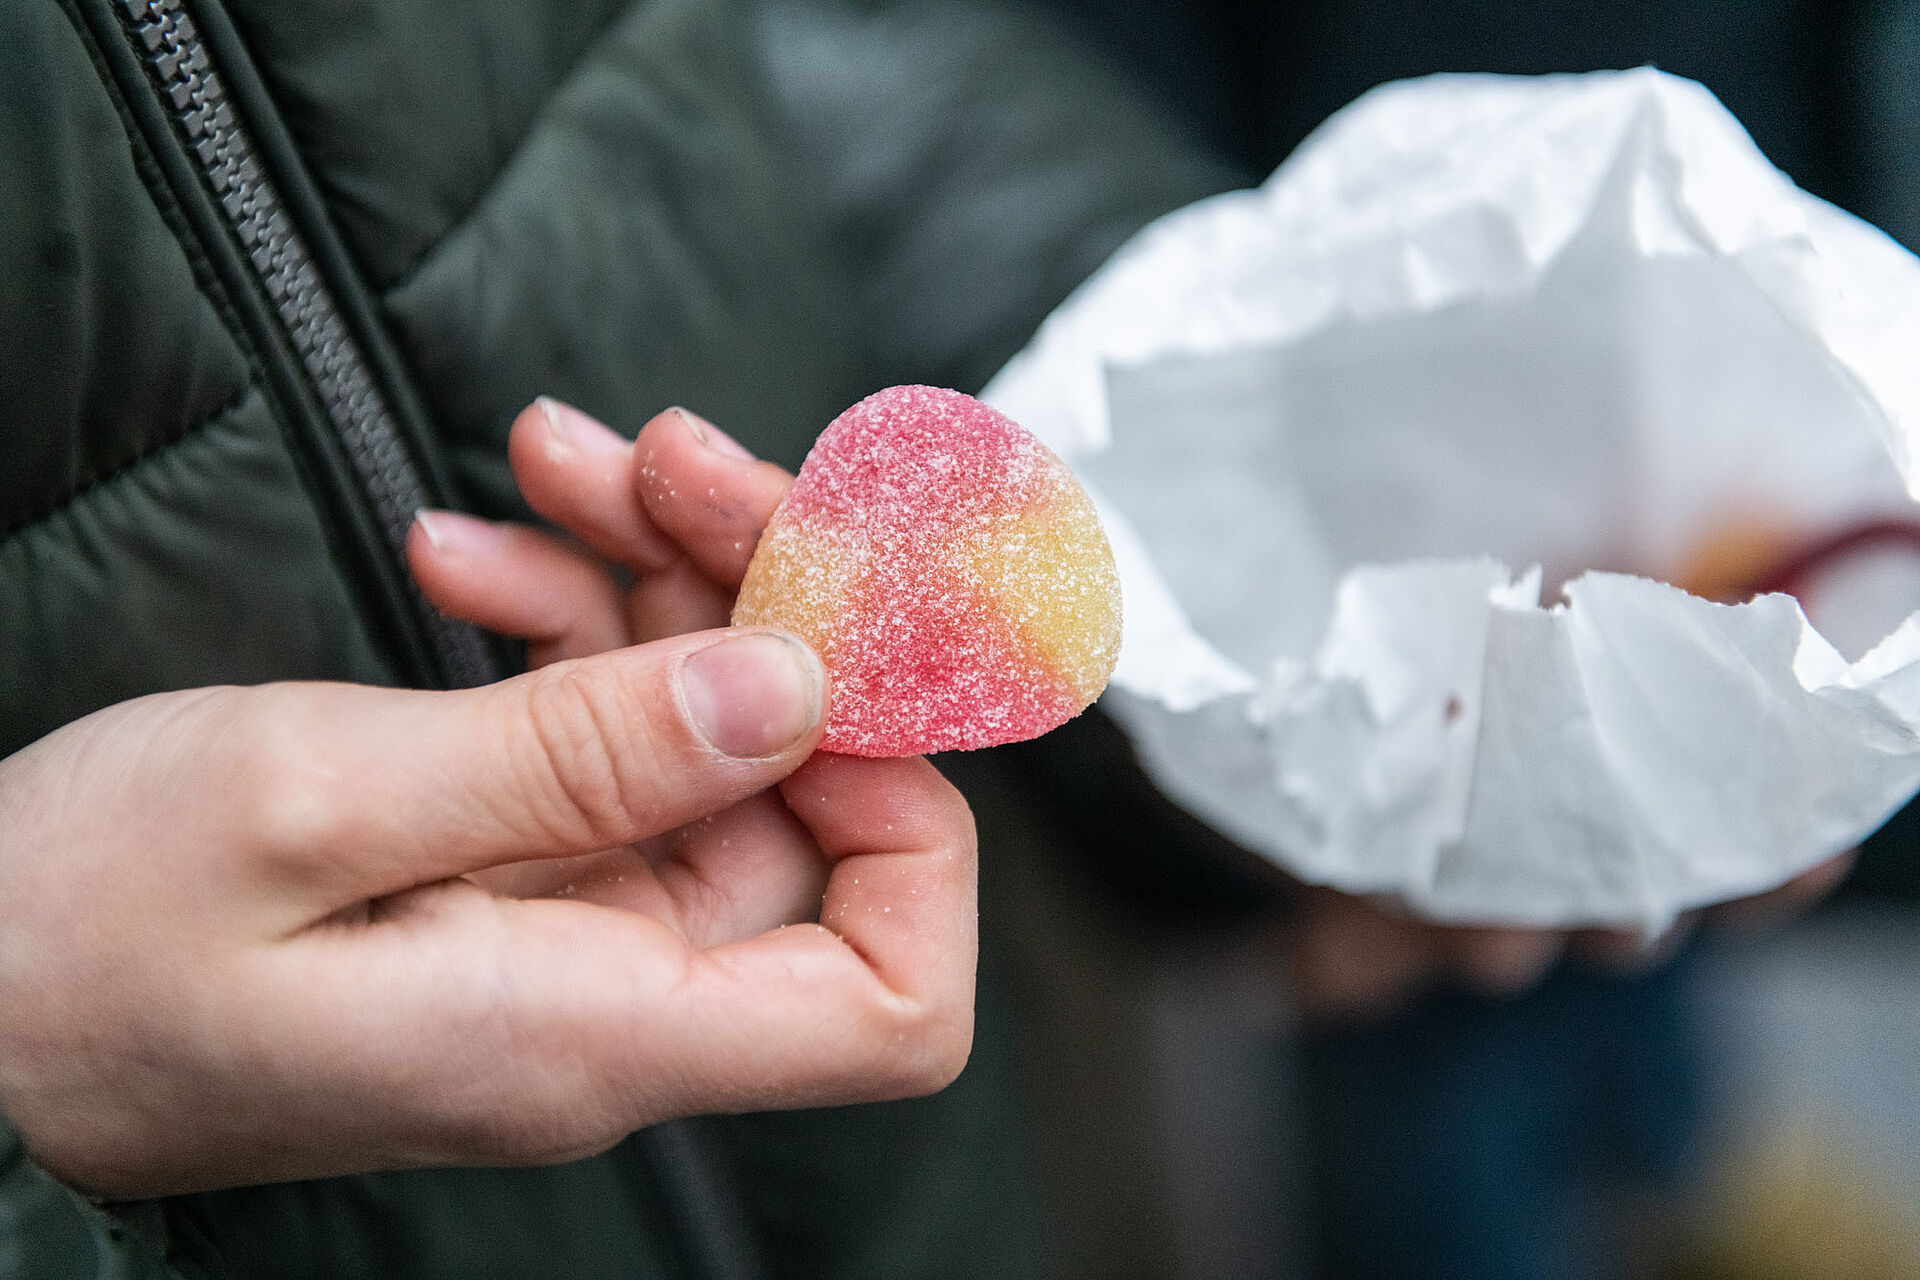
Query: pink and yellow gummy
[[950, 572]]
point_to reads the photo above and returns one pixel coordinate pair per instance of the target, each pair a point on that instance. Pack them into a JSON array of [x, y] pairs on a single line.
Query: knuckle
[[954, 818], [945, 823], [929, 1046], [947, 1055], [286, 786], [585, 740]]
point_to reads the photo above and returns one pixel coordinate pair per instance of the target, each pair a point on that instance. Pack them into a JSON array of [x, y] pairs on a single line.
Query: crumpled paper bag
[[1477, 334]]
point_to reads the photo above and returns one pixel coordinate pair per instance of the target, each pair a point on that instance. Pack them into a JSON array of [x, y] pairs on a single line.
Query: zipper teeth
[[177, 58]]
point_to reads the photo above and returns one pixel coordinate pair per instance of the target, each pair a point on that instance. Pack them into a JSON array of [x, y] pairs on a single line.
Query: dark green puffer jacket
[[276, 274]]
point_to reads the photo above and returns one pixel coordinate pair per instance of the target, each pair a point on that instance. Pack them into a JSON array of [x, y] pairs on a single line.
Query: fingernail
[[451, 533], [573, 429], [711, 436], [753, 695]]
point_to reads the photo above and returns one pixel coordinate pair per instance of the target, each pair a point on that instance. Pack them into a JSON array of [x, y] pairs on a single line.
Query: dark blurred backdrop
[[1830, 89]]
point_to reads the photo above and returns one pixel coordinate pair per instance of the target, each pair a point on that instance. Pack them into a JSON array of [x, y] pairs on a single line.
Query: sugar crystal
[[950, 572]]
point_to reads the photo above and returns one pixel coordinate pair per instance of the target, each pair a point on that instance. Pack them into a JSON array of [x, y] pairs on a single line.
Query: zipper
[[385, 479], [357, 445]]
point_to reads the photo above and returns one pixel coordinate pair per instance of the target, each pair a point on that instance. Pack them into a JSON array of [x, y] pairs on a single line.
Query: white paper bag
[[1481, 332]]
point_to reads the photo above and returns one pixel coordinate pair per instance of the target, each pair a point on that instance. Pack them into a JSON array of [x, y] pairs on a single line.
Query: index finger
[[578, 473]]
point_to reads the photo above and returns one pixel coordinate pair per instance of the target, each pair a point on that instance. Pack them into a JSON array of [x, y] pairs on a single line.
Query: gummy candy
[[949, 571]]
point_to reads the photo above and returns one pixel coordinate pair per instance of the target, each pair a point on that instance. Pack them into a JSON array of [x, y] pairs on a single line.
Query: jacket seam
[[205, 278], [484, 191], [365, 555], [97, 477], [206, 284]]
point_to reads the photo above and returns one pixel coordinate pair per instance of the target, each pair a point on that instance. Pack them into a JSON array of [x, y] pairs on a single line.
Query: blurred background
[[1746, 1106]]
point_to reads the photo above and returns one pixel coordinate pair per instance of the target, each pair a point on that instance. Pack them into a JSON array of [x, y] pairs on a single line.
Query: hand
[[658, 535], [1354, 959], [245, 934]]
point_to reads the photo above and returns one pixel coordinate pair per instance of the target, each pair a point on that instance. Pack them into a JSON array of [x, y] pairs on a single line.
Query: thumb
[[361, 792]]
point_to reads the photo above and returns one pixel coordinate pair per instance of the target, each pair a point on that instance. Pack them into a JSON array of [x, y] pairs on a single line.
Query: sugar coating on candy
[[950, 572]]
